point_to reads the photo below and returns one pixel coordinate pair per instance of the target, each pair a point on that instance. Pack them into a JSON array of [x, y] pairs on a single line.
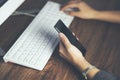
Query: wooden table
[[101, 39]]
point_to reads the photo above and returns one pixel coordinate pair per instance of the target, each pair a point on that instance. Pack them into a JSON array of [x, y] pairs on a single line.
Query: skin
[[87, 12], [74, 56], [70, 52]]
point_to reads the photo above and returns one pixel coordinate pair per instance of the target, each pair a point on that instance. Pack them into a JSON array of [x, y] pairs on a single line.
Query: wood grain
[[101, 39]]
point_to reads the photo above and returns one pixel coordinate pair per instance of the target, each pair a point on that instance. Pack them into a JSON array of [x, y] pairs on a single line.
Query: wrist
[[95, 14], [82, 64], [87, 70]]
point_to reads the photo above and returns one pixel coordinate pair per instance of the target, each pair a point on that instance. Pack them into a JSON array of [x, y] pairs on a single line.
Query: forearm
[[94, 73], [83, 65], [75, 57], [109, 16]]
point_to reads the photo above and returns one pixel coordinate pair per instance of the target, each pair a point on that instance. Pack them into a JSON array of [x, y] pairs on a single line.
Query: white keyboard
[[37, 43]]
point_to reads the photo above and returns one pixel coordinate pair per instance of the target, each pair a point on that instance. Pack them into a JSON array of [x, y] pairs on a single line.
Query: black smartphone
[[60, 27]]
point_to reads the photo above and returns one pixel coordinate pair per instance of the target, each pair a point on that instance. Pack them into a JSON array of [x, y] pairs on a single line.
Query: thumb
[[64, 40]]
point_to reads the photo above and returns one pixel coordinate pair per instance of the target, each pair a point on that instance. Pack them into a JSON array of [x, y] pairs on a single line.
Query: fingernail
[[73, 33], [77, 38]]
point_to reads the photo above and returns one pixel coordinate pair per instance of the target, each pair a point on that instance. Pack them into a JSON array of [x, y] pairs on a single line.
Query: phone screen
[[60, 27]]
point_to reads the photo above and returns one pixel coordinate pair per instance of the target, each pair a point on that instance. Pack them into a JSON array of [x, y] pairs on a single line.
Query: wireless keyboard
[[37, 43]]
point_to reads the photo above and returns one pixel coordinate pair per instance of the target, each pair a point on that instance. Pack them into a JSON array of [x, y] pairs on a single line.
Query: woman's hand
[[74, 56], [68, 51], [85, 11]]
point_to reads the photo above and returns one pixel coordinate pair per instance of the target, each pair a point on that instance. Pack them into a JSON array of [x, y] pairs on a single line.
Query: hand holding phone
[[60, 27]]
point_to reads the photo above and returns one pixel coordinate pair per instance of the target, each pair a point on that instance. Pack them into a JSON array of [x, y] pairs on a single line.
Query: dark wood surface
[[101, 39]]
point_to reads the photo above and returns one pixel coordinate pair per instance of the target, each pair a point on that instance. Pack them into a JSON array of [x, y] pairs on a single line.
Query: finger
[[64, 40], [77, 38], [61, 47], [73, 13], [68, 6], [73, 33]]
